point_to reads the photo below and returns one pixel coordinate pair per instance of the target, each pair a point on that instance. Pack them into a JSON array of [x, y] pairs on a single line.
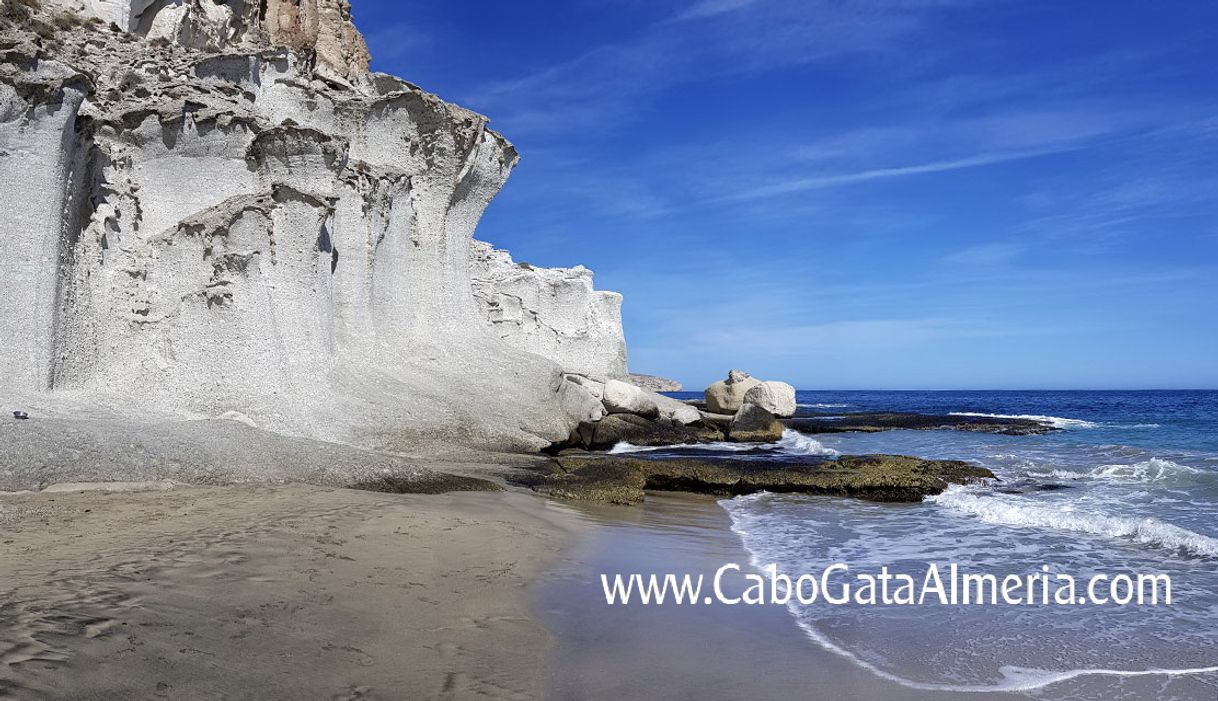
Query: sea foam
[[626, 448], [792, 443], [1063, 517], [1013, 678], [823, 406], [1144, 472], [796, 443], [1152, 470], [1054, 421]]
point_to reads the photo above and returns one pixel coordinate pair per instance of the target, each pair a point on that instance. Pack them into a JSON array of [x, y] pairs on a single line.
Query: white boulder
[[580, 404], [624, 398], [778, 398], [727, 396], [676, 410]]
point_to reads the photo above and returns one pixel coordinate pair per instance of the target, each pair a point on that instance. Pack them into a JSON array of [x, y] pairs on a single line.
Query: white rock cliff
[[553, 312], [214, 207]]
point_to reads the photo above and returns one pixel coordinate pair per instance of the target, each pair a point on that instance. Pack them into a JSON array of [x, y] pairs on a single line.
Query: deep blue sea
[[1130, 485]]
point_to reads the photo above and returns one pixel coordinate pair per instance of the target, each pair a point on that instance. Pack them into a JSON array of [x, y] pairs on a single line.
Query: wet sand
[[273, 593], [685, 652]]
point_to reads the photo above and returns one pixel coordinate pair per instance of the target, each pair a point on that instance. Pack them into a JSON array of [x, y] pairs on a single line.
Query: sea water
[[1128, 486]]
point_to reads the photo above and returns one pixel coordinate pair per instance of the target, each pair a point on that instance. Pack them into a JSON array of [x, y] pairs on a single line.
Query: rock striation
[[214, 208]]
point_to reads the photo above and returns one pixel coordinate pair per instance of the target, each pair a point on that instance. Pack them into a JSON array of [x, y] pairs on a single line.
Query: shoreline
[[714, 653]]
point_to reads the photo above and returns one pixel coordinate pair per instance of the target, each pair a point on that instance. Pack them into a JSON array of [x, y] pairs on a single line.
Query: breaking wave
[[796, 443], [792, 443], [1062, 517], [1054, 421], [624, 447], [1152, 470]]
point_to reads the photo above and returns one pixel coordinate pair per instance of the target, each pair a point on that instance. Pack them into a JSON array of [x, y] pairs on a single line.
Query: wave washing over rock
[[215, 207], [792, 444], [1054, 421]]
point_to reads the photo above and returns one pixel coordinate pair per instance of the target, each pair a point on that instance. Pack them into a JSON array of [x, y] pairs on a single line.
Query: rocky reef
[[874, 422], [619, 480], [745, 410], [214, 209]]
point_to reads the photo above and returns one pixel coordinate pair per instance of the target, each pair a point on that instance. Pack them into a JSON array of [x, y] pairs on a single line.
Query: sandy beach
[[300, 592], [291, 592], [303, 592]]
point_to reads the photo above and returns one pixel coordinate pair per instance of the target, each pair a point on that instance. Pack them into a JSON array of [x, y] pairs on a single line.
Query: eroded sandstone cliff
[[553, 312], [213, 207]]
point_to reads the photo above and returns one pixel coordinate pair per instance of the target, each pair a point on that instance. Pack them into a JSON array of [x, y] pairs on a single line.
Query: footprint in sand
[[484, 622], [361, 657], [354, 693], [458, 685], [99, 628]]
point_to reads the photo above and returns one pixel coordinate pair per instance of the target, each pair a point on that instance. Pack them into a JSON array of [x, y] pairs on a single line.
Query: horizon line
[[971, 389]]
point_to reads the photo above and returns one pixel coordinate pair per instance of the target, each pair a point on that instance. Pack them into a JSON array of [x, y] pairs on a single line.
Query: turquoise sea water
[[1130, 485]]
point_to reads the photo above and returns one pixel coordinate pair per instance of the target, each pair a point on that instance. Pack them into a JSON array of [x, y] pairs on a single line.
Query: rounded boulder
[[753, 424], [727, 396], [778, 398], [624, 398]]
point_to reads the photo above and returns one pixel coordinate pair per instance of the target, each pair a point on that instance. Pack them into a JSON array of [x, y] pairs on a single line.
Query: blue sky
[[873, 194]]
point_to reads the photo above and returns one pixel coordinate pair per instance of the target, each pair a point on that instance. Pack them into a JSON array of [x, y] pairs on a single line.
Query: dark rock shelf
[[623, 480], [874, 422]]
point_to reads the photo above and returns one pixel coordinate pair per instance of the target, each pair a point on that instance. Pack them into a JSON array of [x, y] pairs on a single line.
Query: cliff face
[[213, 207], [553, 312], [321, 29]]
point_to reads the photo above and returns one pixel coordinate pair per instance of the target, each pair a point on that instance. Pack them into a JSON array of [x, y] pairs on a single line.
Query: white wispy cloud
[[986, 254], [1163, 175], [611, 83], [749, 170], [804, 184], [712, 8]]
